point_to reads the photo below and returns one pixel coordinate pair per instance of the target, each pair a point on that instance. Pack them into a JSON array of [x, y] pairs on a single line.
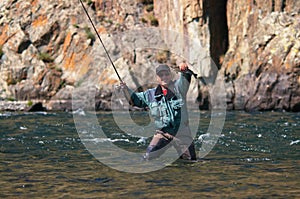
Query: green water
[[257, 156]]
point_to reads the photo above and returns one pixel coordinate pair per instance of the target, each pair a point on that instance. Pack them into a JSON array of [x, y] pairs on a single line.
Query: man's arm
[[134, 99], [184, 81]]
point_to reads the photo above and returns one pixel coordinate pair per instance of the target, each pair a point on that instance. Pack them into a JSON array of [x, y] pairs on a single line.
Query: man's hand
[[123, 85], [183, 67]]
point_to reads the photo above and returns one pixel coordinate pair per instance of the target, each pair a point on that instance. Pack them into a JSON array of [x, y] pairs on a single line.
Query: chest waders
[[163, 137], [170, 117]]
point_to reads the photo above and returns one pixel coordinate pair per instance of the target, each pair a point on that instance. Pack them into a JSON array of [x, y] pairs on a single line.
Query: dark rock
[[102, 105], [36, 107], [203, 99]]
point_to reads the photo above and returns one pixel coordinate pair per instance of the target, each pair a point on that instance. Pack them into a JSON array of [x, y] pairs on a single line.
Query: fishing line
[[112, 63]]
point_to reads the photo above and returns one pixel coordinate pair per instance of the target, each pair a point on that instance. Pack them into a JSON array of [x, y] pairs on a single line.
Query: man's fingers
[[123, 85], [183, 66]]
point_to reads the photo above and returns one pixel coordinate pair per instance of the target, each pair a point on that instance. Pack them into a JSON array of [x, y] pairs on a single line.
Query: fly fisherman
[[167, 105]]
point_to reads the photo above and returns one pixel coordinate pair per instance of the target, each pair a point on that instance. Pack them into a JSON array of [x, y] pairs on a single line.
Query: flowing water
[[256, 156]]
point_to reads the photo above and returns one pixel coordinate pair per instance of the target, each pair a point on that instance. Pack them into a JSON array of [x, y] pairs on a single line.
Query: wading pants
[[161, 141]]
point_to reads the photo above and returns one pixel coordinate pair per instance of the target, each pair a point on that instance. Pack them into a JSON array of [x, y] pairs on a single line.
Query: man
[[167, 106]]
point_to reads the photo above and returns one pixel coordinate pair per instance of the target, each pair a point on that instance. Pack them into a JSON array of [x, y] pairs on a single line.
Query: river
[[43, 156]]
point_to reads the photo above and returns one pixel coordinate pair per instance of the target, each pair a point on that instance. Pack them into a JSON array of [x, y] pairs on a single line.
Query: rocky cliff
[[48, 50], [262, 64]]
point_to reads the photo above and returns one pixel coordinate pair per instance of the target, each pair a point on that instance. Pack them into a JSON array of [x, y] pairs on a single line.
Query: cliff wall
[[49, 49], [254, 44]]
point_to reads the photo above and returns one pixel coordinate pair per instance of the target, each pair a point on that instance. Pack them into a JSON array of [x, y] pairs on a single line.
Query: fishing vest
[[165, 110]]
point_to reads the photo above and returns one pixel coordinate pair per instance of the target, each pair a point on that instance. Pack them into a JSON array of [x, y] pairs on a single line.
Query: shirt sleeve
[[138, 99], [183, 83]]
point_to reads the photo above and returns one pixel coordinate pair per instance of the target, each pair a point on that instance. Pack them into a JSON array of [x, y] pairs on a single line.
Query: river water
[[256, 156]]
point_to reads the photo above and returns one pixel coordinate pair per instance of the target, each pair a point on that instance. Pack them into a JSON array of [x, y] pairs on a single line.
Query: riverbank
[[66, 106], [37, 105], [50, 105]]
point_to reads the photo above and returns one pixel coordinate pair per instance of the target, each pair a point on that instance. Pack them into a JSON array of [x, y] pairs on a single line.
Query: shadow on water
[[257, 156]]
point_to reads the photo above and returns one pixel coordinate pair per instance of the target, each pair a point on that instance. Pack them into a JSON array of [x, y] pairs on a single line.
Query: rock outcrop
[[263, 61], [254, 44], [49, 51]]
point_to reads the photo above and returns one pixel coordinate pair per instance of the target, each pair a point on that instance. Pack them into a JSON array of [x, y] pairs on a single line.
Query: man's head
[[163, 73]]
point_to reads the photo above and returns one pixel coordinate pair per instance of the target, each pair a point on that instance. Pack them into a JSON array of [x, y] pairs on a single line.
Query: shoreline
[[66, 106], [35, 105]]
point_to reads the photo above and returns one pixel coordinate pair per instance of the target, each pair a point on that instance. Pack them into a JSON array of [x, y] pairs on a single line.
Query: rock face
[[254, 44], [263, 61], [49, 51]]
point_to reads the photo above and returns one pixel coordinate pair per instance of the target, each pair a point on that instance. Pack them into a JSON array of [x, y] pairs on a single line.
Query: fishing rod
[[112, 63]]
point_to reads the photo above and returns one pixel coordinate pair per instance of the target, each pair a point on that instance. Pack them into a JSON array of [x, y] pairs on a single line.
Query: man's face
[[164, 78]]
